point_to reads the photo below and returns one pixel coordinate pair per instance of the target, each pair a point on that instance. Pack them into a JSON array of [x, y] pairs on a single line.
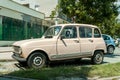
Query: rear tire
[[110, 49], [36, 60], [97, 57]]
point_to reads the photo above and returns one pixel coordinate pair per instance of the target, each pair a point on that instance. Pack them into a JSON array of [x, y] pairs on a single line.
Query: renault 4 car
[[62, 42]]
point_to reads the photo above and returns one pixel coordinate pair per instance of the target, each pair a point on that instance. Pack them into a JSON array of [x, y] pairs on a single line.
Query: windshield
[[52, 31]]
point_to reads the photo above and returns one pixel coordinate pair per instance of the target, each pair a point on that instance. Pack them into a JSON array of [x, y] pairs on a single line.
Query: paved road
[[114, 58], [6, 55]]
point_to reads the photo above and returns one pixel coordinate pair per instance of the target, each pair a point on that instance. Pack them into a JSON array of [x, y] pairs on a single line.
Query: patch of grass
[[106, 70]]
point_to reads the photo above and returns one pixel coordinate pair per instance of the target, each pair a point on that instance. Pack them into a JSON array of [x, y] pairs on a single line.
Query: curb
[[7, 60], [107, 78], [16, 78], [5, 51]]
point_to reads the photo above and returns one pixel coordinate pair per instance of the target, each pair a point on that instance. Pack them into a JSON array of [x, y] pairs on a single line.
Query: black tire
[[110, 49], [22, 64], [97, 58], [36, 60]]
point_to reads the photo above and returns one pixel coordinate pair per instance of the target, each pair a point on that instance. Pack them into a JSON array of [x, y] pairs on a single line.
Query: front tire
[[36, 60], [23, 64], [97, 57]]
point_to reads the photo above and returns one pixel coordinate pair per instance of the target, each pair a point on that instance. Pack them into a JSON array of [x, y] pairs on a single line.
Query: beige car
[[62, 42]]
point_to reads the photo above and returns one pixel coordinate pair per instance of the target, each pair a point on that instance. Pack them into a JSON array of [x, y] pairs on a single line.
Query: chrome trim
[[17, 49], [69, 56]]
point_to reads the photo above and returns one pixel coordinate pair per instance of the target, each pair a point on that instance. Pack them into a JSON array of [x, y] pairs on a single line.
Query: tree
[[98, 12], [116, 30]]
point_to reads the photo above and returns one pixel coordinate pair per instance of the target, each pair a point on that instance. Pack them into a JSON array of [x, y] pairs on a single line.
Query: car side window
[[106, 37], [85, 32], [69, 32], [96, 33]]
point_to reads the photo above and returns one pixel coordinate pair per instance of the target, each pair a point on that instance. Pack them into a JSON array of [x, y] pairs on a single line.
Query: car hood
[[32, 42]]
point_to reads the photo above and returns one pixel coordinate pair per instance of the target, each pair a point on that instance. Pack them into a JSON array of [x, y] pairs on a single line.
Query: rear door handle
[[90, 40], [77, 41]]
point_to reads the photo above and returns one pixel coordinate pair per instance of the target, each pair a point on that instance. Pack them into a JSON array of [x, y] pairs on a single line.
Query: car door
[[69, 45], [86, 40]]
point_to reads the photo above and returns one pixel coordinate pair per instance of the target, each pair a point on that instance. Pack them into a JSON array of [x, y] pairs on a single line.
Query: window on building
[[15, 29]]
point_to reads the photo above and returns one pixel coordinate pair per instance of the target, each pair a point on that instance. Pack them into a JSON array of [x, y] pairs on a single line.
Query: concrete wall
[[11, 13], [19, 8], [44, 6]]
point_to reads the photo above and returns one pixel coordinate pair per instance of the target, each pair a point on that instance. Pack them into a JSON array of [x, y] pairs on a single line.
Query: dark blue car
[[110, 43]]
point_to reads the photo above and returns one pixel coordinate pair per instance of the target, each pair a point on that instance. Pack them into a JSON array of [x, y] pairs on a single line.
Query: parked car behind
[[62, 42], [117, 42], [110, 43]]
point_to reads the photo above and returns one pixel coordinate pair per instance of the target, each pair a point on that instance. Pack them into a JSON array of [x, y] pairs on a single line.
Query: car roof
[[106, 34], [89, 25]]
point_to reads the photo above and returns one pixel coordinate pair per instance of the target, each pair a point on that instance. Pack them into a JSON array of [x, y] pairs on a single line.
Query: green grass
[[106, 70]]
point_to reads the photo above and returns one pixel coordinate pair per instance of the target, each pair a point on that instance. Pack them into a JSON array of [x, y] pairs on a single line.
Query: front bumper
[[18, 58]]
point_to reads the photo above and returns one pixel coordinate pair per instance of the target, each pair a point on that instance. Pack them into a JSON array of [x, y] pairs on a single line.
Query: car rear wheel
[[36, 60], [110, 49], [97, 57]]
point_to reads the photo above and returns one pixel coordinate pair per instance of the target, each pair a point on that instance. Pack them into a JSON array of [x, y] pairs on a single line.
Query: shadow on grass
[[83, 62], [55, 70]]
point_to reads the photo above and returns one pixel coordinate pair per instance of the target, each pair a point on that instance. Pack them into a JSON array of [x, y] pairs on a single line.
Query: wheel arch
[[96, 58], [42, 52], [110, 45], [99, 50]]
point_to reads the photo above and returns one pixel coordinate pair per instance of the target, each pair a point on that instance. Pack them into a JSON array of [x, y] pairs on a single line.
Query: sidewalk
[[6, 53]]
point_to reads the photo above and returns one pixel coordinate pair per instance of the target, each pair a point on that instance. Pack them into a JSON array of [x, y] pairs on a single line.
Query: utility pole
[[57, 13]]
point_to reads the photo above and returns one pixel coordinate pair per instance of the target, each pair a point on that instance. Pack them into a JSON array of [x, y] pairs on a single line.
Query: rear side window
[[85, 32], [97, 33]]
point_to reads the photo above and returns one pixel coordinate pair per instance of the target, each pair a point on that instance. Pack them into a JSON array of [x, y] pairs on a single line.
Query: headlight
[[17, 49]]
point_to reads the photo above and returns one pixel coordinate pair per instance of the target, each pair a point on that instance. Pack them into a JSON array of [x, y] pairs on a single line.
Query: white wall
[[15, 7], [21, 1], [45, 6]]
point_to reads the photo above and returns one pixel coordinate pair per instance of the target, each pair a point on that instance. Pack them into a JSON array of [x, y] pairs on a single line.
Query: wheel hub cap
[[37, 61], [98, 58]]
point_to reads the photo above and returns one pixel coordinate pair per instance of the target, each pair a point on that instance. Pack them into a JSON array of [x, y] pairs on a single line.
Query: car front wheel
[[97, 57], [36, 60]]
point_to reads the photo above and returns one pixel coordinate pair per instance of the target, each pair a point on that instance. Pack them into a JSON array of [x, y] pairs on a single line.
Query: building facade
[[44, 6], [18, 22]]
